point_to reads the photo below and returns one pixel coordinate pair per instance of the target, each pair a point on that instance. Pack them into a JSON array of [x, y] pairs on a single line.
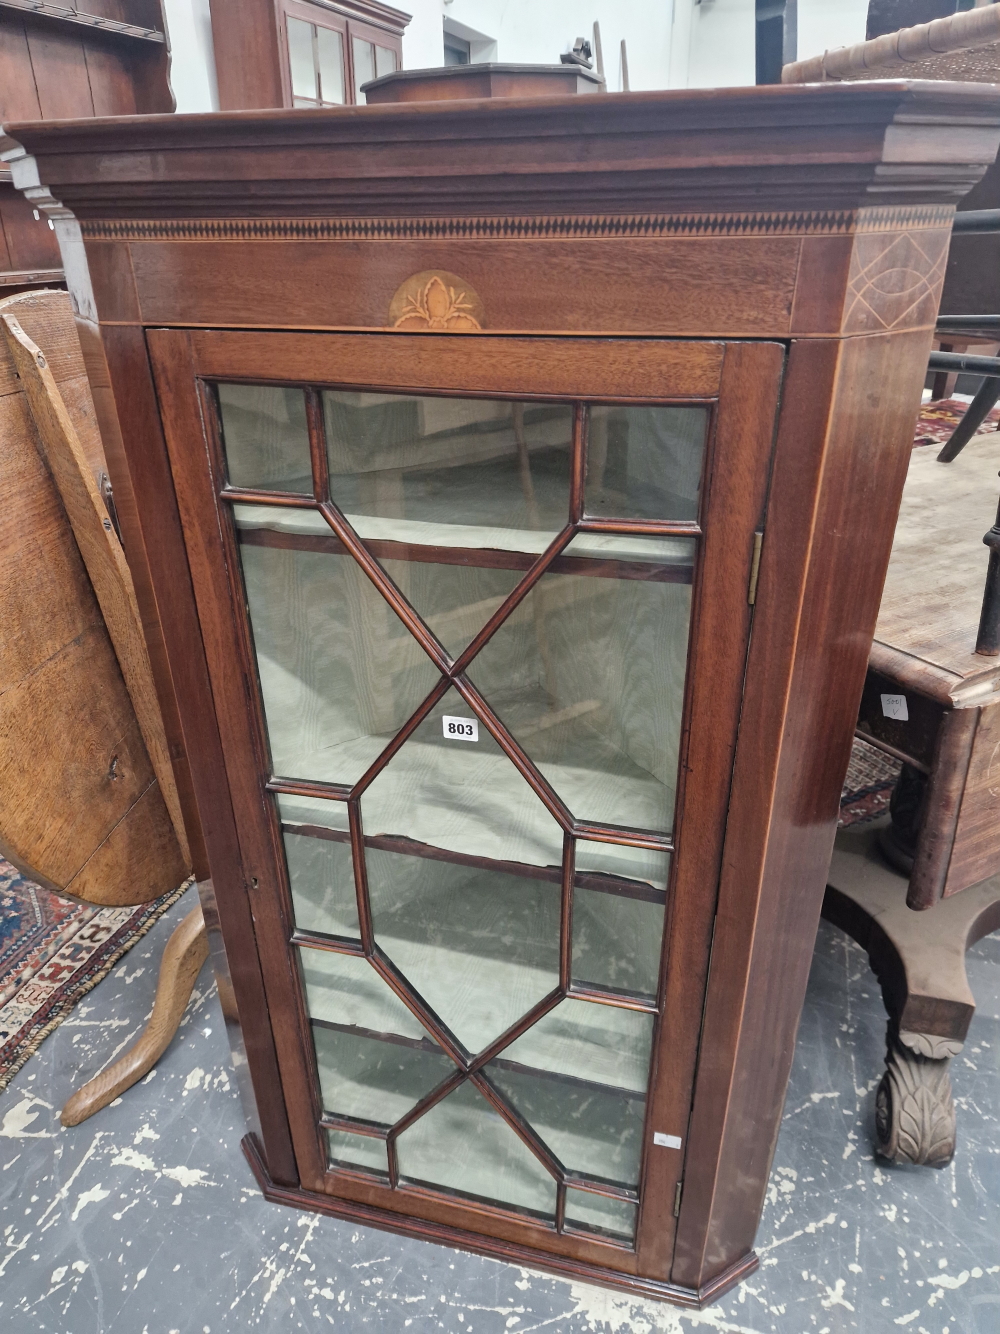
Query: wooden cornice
[[829, 147]]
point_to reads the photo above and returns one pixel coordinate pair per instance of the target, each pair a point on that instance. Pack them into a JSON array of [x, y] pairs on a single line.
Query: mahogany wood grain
[[504, 367], [160, 526], [828, 534], [109, 429], [772, 214], [736, 471], [479, 80], [500, 1248]]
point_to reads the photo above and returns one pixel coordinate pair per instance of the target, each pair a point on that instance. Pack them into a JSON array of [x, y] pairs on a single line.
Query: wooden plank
[[74, 760], [521, 367], [41, 565], [31, 243], [143, 841], [101, 551], [18, 94], [60, 68], [109, 73]]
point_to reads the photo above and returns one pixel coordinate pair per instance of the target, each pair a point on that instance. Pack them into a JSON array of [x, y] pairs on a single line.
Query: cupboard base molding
[[297, 1197]]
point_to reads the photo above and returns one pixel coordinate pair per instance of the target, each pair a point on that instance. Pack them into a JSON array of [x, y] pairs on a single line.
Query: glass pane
[[461, 795], [450, 472], [612, 1045], [339, 674], [364, 65], [357, 1151], [265, 437], [645, 462], [589, 676], [376, 1077], [481, 946], [590, 1127], [617, 935], [385, 61], [330, 51], [304, 102], [300, 57], [321, 876], [375, 1061], [643, 864], [345, 991], [464, 1145], [617, 1217], [455, 601]]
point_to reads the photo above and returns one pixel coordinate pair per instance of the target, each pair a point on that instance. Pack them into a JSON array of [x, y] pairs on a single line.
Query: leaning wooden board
[[80, 806]]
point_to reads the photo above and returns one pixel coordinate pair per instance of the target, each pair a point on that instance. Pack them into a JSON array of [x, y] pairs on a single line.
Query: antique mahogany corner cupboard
[[517, 480]]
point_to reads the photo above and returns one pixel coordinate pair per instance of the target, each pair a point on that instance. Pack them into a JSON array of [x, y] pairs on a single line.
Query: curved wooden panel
[[80, 809]]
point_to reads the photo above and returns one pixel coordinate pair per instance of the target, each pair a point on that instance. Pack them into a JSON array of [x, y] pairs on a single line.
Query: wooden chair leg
[[186, 951]]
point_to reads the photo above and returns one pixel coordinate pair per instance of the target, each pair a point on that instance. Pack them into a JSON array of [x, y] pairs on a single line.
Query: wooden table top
[[933, 593]]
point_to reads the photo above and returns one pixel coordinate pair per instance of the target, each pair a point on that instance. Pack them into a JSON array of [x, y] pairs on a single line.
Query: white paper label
[[894, 706], [460, 729], [667, 1141]]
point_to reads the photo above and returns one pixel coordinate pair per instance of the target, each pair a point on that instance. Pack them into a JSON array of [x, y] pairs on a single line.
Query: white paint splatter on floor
[[145, 1220]]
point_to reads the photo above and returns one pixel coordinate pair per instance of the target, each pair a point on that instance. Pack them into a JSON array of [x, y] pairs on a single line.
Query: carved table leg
[[185, 952], [919, 960], [914, 1111]]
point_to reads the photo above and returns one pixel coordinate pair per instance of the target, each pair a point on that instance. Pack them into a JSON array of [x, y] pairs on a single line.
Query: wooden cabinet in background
[[518, 515], [302, 53], [56, 63]]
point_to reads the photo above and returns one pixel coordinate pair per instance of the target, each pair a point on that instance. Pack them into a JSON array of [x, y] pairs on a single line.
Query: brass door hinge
[[758, 539], [677, 1199]]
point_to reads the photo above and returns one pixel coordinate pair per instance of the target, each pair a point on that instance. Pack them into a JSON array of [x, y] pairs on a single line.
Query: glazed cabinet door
[[476, 611]]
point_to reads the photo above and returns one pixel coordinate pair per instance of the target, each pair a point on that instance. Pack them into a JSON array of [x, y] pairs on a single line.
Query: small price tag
[[894, 706], [460, 729], [667, 1141]]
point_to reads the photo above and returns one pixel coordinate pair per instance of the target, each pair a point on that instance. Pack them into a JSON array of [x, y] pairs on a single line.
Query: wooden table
[[933, 702]]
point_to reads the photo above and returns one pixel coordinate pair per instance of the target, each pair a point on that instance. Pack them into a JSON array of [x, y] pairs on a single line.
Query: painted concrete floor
[[145, 1220]]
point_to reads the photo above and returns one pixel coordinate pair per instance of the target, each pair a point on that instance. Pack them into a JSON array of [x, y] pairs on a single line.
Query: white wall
[[537, 32], [721, 49], [826, 24], [192, 63], [671, 43]]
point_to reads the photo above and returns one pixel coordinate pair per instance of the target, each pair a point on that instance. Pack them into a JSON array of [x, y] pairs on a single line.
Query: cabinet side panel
[[163, 539], [834, 498], [737, 489]]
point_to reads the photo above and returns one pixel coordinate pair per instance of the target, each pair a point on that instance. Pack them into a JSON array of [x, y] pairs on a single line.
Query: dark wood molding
[[678, 152], [479, 1244]]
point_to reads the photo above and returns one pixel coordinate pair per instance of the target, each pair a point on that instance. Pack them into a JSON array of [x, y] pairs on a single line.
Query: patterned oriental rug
[[938, 419], [52, 952]]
